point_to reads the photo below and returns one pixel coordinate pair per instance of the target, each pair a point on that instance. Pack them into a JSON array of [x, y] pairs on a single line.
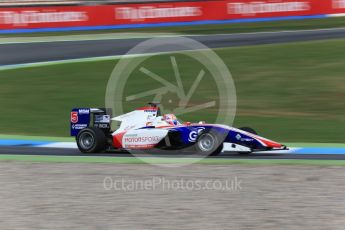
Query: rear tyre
[[91, 140], [209, 144]]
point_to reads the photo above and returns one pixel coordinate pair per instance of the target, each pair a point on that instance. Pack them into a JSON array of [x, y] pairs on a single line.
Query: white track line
[[63, 145], [90, 59], [116, 36], [81, 37]]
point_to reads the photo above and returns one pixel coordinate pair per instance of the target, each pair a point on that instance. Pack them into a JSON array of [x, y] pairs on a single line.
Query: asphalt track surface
[[21, 53], [24, 150]]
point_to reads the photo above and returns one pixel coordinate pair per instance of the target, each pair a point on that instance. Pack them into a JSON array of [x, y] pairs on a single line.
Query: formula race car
[[145, 129]]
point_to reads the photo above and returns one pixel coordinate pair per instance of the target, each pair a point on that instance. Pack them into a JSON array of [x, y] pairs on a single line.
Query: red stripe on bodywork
[[148, 108], [269, 143], [117, 140]]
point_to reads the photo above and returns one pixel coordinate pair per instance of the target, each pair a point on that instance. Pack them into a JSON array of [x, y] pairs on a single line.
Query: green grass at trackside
[[211, 29], [153, 160], [36, 138], [288, 92]]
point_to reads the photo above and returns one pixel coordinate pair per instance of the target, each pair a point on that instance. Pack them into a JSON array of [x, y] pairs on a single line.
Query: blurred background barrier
[[72, 2], [151, 13]]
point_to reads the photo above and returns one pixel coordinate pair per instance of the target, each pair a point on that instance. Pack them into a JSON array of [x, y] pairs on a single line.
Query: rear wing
[[82, 118]]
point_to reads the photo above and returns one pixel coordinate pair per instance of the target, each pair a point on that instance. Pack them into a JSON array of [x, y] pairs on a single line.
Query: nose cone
[[271, 144]]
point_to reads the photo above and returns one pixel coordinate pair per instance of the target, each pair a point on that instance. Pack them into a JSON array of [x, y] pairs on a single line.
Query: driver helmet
[[170, 119]]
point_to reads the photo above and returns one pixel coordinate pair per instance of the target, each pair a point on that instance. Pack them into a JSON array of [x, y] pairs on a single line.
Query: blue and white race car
[[145, 128]]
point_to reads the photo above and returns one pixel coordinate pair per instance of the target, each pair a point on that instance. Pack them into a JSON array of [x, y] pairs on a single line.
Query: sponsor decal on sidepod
[[148, 139], [194, 134]]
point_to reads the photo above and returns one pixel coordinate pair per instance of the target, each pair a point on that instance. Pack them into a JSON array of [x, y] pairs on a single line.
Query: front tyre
[[91, 140], [209, 144]]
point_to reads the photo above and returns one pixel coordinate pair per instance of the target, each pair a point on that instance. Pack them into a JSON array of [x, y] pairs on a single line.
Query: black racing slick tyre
[[249, 130], [91, 140], [209, 144]]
